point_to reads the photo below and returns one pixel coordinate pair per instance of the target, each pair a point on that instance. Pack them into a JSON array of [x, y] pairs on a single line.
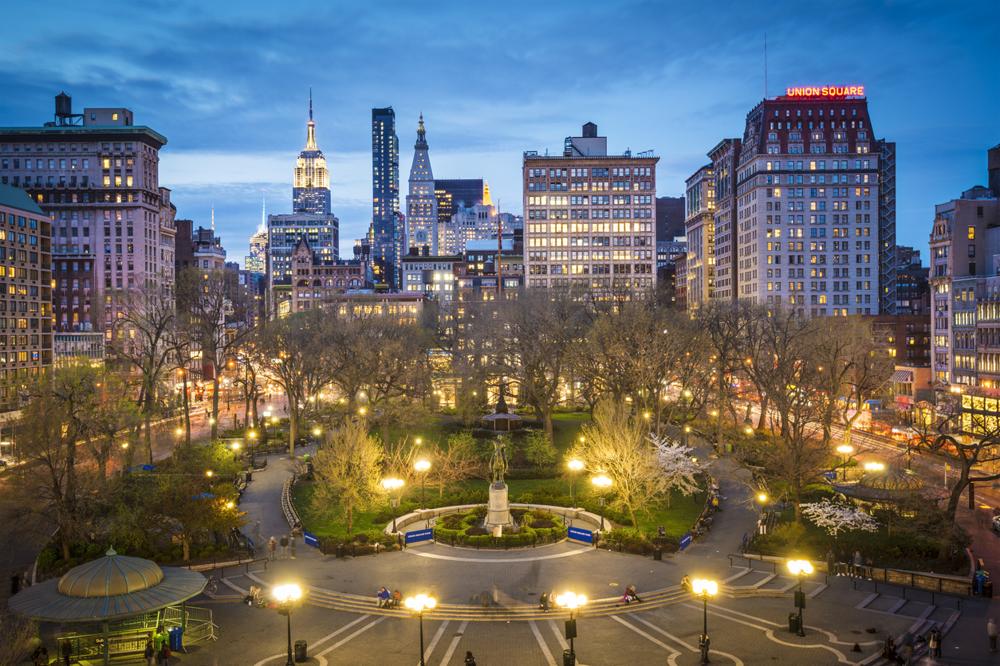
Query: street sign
[[578, 534], [310, 539], [686, 541], [416, 536]]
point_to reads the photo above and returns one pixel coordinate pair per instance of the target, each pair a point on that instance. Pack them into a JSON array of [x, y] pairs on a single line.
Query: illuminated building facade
[[26, 303], [311, 179], [965, 286], [699, 226], [589, 217], [256, 261], [805, 207], [284, 232], [96, 174], [421, 203], [386, 218], [315, 281]]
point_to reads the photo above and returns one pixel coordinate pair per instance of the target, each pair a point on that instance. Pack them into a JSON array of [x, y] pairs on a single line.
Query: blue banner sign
[[419, 535], [577, 534], [686, 541], [310, 539]]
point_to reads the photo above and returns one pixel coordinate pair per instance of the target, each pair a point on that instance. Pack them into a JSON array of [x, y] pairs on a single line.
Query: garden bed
[[535, 527]]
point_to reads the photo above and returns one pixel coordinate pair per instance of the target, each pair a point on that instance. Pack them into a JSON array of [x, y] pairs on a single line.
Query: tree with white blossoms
[[836, 518], [678, 466]]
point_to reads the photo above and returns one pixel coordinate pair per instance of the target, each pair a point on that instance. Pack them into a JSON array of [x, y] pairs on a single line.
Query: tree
[[457, 461], [726, 326], [112, 414], [836, 517], [52, 424], [348, 469], [678, 466], [617, 444], [533, 337], [539, 450], [142, 336], [294, 351]]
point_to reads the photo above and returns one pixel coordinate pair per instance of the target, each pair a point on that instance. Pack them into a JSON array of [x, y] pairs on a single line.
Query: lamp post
[[845, 450], [874, 466], [252, 436], [800, 568], [390, 484], [422, 466], [286, 595], [572, 602], [418, 605], [602, 482], [704, 588], [575, 465]]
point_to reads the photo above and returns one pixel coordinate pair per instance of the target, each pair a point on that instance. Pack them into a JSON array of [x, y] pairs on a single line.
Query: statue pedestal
[[498, 509]]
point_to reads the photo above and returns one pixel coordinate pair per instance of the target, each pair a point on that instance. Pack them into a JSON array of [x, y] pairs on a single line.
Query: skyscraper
[[386, 236], [421, 204], [256, 261], [311, 183], [805, 206]]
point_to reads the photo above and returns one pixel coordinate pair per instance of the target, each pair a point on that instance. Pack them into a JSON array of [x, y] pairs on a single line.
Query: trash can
[[175, 639], [300, 651], [658, 553], [569, 658], [793, 623]]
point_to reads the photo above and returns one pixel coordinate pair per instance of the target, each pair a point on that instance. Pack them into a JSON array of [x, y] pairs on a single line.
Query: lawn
[[328, 521]]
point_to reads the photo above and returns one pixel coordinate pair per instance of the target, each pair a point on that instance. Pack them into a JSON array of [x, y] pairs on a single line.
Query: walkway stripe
[[562, 641], [736, 660], [434, 641], [673, 653], [320, 641], [348, 639], [498, 560], [454, 643], [549, 659]]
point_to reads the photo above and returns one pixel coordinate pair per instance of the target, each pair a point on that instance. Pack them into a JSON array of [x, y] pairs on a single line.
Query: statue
[[498, 462]]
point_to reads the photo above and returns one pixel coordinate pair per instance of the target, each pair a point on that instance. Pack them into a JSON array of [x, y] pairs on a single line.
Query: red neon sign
[[825, 91]]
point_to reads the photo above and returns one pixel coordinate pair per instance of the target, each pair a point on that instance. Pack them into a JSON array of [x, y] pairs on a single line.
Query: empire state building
[[311, 183]]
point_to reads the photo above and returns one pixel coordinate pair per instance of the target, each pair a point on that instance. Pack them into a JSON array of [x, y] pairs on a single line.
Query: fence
[[291, 516]]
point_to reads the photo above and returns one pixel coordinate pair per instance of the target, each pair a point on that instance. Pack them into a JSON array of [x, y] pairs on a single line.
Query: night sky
[[227, 84]]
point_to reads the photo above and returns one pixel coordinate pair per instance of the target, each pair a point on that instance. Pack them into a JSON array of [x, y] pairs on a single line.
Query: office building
[[670, 217], [387, 220], [96, 175], [256, 261], [433, 276], [198, 247], [805, 207], [454, 194], [421, 203], [321, 232], [317, 280], [965, 286], [589, 217], [311, 179], [26, 303], [699, 225]]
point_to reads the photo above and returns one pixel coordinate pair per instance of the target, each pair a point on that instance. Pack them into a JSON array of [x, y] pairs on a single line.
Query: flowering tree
[[677, 466], [837, 518]]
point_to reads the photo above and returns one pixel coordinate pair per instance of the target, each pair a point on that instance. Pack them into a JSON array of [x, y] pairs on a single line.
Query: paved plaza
[[488, 604]]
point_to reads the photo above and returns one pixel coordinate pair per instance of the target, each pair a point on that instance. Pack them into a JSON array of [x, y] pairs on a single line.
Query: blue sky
[[227, 83]]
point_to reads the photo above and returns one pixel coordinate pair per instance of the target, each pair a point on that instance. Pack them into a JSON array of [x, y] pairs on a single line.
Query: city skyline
[[649, 82]]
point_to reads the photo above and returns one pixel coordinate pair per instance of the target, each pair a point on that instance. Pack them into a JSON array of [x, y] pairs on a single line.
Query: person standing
[[272, 546], [150, 652], [284, 546], [934, 642], [831, 562], [469, 659], [991, 632], [859, 564]]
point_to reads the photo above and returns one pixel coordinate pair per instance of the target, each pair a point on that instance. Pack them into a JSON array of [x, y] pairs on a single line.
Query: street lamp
[[286, 595], [747, 426], [418, 605], [572, 602], [845, 450], [800, 568], [601, 482], [390, 484], [317, 431], [575, 465], [178, 431], [874, 466], [209, 473], [704, 588], [362, 410], [422, 466]]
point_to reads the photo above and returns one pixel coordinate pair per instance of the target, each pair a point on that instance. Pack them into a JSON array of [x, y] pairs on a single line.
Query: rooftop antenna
[[310, 103], [499, 250], [765, 65], [213, 218]]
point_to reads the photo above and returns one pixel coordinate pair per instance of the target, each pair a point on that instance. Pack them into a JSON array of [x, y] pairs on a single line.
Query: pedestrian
[[150, 652], [164, 654], [40, 657], [67, 653], [469, 659], [291, 543], [272, 546], [859, 563], [256, 534], [284, 546], [382, 597], [831, 562], [397, 599], [15, 584], [934, 642], [991, 632]]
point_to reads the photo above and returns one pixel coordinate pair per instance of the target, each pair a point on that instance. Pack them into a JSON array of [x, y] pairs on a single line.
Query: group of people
[[386, 599], [287, 544], [157, 651], [857, 565], [255, 598]]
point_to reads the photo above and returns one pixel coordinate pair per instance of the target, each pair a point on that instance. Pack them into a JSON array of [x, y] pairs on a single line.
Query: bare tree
[[142, 336], [348, 470]]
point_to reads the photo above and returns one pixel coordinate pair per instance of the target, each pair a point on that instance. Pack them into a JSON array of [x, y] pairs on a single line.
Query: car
[[996, 524]]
